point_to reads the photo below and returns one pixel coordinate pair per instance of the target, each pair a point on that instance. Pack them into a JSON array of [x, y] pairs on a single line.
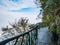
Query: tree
[[51, 14], [19, 26], [7, 30]]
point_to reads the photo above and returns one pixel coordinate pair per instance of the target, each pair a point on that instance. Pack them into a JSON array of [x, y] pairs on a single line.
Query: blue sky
[[15, 9]]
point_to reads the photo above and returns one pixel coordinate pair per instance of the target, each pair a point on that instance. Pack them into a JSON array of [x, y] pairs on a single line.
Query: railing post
[[16, 41], [32, 37], [26, 40], [29, 38], [36, 33], [22, 40]]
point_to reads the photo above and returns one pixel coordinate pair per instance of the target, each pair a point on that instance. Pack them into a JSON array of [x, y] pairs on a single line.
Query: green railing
[[26, 38]]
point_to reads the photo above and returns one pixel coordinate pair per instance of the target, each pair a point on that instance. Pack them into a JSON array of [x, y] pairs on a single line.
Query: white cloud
[[10, 5], [6, 16], [11, 16]]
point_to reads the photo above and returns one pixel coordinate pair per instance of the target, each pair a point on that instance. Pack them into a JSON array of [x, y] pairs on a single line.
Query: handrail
[[23, 34]]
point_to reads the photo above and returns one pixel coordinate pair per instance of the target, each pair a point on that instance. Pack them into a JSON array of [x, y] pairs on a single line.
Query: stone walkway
[[44, 36]]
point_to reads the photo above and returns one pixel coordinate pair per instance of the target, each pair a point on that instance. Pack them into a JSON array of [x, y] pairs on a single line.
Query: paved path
[[44, 36]]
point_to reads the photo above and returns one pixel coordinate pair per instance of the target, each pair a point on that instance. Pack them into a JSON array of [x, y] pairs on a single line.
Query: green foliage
[[7, 29], [50, 9], [19, 26], [51, 14], [31, 26]]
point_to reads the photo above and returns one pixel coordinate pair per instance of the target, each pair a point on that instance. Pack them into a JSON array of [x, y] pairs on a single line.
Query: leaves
[[51, 9], [17, 27]]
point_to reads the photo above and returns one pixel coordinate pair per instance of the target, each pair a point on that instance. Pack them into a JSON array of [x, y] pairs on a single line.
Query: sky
[[11, 10]]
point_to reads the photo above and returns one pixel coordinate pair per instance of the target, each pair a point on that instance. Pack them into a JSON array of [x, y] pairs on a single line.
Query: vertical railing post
[[16, 41], [22, 40], [36, 33], [31, 37], [26, 40]]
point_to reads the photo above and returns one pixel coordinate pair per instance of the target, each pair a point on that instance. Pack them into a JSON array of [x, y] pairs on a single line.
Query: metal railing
[[26, 38]]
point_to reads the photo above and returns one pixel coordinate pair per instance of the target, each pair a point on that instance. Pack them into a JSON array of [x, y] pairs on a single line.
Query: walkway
[[44, 36]]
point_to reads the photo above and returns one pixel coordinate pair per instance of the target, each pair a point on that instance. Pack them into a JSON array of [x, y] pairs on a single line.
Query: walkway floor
[[44, 36]]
